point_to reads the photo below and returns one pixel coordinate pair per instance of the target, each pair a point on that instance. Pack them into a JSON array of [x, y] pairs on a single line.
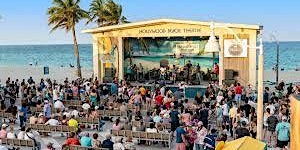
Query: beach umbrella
[[164, 63], [244, 143]]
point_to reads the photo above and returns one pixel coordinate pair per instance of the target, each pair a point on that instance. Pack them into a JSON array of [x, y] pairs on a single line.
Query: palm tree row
[[65, 14]]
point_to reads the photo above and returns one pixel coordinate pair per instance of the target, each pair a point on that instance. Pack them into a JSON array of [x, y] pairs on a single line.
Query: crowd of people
[[221, 114]]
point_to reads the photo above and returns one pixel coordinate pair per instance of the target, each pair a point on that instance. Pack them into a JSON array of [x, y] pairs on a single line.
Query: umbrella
[[244, 143]]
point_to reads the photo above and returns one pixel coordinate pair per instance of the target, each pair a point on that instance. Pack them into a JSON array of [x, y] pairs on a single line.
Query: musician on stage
[[188, 66]]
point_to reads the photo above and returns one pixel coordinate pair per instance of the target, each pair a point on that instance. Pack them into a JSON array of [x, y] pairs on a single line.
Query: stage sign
[[187, 48], [234, 49]]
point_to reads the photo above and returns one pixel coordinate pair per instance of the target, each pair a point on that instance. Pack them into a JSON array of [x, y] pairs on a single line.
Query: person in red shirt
[[238, 92], [216, 69], [72, 140], [159, 99]]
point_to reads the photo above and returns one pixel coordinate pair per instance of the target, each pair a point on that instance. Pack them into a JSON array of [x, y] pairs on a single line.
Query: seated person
[[33, 119], [96, 143], [108, 143], [117, 125], [85, 140], [3, 131], [152, 128], [73, 123], [71, 140], [41, 119], [118, 144], [52, 121], [11, 134]]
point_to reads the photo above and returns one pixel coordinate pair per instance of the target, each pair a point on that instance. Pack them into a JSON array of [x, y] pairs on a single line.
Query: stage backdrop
[[177, 50]]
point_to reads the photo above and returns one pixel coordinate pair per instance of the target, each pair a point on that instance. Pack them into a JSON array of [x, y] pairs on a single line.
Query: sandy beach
[[60, 74]]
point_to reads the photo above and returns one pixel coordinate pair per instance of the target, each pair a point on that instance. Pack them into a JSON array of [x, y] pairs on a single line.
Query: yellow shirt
[[73, 123], [232, 112]]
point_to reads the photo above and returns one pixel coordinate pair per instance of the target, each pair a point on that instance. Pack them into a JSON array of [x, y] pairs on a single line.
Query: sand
[[60, 74], [37, 73]]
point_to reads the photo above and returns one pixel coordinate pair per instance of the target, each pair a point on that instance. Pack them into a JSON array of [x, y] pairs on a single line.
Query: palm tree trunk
[[76, 51]]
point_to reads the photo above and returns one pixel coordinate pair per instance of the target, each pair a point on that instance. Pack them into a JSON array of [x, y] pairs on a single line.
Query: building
[[115, 47]]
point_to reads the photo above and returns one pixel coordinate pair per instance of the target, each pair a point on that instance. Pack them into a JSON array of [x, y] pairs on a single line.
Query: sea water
[[63, 55]]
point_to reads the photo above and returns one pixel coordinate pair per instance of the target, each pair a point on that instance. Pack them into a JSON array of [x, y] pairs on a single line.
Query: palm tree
[[96, 12], [65, 14], [106, 12]]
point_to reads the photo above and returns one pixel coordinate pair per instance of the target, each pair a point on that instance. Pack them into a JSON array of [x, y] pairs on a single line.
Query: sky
[[25, 21]]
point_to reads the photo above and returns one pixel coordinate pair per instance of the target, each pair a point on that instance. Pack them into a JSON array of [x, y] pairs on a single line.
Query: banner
[[234, 49]]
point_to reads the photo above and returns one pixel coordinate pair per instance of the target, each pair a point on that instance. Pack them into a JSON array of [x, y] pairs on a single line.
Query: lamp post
[[213, 46], [274, 39]]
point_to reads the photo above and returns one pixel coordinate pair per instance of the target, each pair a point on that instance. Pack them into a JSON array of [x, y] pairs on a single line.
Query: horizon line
[[33, 44]]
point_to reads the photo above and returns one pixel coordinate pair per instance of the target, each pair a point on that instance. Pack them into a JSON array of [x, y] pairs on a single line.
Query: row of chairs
[[147, 124], [147, 136], [42, 128], [17, 142], [4, 115]]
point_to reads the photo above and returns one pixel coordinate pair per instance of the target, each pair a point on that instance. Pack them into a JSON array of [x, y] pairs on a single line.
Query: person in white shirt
[[118, 145], [86, 106], [66, 113], [59, 104], [271, 107], [11, 134], [152, 129], [219, 97], [28, 135], [75, 113], [21, 134], [52, 121], [55, 94]]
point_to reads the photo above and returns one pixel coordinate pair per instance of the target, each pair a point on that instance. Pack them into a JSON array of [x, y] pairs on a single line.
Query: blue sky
[[25, 21]]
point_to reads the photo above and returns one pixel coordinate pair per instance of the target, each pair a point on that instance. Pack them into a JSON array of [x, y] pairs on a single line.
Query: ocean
[[63, 55]]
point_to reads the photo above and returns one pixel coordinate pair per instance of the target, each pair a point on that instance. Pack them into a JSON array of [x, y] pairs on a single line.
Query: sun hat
[[200, 123], [4, 126]]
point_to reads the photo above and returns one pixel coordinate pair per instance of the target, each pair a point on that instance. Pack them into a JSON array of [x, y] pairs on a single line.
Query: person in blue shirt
[[86, 141], [210, 140], [23, 114], [283, 132], [180, 139], [47, 109], [108, 143]]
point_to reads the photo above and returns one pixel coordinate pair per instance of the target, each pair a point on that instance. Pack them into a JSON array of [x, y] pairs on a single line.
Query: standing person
[[283, 132], [188, 66], [238, 93], [219, 113], [272, 122], [201, 134], [210, 140], [242, 131], [174, 114], [180, 137], [216, 68], [204, 114], [47, 109], [23, 114]]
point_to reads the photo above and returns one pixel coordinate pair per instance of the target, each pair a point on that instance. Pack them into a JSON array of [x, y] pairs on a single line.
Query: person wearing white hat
[[201, 134], [283, 132], [3, 131]]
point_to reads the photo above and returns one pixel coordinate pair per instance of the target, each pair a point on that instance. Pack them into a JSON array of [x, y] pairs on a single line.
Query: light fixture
[[212, 45]]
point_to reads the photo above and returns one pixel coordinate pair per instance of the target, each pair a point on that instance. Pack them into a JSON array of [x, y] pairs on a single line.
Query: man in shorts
[[283, 133]]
